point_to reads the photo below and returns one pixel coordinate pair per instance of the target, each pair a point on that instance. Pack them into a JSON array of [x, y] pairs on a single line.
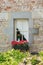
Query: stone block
[[36, 47]]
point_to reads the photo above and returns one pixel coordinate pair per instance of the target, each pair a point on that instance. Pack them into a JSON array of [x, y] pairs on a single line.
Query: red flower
[[20, 42]]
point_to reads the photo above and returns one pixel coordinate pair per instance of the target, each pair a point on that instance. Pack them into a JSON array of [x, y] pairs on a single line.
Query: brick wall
[[20, 5], [37, 45], [27, 5]]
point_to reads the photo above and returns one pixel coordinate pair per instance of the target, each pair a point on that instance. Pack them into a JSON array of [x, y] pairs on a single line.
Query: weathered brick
[[25, 3]]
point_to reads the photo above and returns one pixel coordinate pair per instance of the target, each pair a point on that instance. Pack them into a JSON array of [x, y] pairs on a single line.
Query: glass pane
[[25, 35], [23, 28]]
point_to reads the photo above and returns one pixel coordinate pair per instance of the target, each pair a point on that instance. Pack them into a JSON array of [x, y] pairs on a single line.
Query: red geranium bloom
[[20, 42]]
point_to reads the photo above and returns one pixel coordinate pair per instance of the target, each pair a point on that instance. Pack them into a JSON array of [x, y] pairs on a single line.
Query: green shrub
[[12, 57], [41, 53], [34, 60]]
